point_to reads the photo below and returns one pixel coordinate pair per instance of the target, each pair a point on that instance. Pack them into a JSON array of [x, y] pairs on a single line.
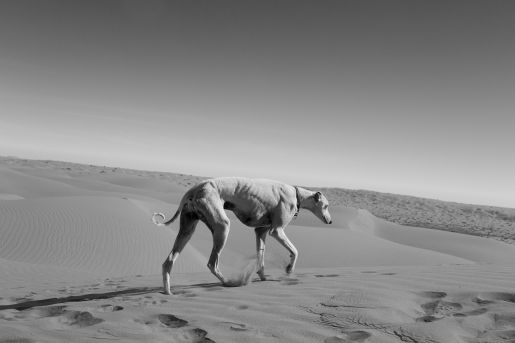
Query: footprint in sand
[[327, 275], [190, 295], [438, 308], [244, 328], [239, 327], [16, 340], [236, 326], [476, 312], [80, 319], [503, 296], [110, 308], [196, 335], [187, 294], [42, 312], [172, 321], [290, 281], [427, 319], [357, 336], [50, 311], [199, 336], [481, 301], [441, 308], [433, 295], [352, 336], [64, 316]]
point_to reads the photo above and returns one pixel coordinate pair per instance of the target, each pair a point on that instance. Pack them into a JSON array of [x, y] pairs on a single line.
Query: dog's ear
[[317, 196]]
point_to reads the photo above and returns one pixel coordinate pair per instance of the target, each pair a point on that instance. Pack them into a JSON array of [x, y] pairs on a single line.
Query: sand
[[479, 220], [80, 261]]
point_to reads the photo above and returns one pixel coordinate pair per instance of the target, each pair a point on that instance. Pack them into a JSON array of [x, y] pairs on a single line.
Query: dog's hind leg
[[188, 223], [216, 219], [220, 233], [260, 249], [281, 237]]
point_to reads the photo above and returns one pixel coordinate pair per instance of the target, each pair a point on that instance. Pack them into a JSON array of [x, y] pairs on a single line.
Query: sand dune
[[473, 248], [484, 221], [80, 261], [108, 236], [25, 185]]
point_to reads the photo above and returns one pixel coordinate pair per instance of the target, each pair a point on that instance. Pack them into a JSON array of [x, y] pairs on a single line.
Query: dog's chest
[[250, 213]]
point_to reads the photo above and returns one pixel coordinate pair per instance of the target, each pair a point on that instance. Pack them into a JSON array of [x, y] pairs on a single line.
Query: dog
[[266, 205]]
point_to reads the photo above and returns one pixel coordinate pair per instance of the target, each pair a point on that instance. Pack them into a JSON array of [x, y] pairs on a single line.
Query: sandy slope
[[484, 221], [80, 261]]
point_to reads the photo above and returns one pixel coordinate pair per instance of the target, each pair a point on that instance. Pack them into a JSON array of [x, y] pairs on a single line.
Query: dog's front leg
[[281, 237]]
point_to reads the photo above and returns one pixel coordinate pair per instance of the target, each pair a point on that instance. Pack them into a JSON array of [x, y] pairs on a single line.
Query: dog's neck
[[302, 196]]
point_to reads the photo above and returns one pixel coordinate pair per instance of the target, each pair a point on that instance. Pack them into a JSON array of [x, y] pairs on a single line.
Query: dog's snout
[[330, 222]]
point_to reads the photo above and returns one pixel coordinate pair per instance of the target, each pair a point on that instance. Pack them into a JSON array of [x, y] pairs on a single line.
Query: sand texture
[[80, 261], [484, 221]]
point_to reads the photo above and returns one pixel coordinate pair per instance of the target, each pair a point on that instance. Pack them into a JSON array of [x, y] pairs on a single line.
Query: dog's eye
[[325, 207]]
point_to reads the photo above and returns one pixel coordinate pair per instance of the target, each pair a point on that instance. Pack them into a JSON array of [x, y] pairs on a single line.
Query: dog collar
[[298, 202]]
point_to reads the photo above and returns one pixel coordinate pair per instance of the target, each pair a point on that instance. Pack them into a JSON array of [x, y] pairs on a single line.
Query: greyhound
[[266, 205]]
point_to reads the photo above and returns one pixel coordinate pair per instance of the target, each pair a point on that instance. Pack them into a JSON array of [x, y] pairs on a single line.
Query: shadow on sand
[[96, 296]]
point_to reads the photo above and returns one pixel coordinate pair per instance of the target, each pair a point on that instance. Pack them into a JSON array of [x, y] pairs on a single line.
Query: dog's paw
[[289, 269]]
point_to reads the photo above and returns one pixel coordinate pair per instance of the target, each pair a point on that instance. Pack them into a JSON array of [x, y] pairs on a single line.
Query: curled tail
[[171, 220], [163, 223]]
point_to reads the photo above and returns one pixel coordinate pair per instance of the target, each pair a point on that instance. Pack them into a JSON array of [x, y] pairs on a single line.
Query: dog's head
[[320, 208]]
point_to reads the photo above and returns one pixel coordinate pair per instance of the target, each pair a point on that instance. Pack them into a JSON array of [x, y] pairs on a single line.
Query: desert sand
[[80, 261]]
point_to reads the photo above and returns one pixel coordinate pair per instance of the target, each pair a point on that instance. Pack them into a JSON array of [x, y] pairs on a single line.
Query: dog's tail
[[168, 222], [171, 220]]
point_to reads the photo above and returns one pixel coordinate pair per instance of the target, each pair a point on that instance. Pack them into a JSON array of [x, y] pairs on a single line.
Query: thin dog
[[266, 205]]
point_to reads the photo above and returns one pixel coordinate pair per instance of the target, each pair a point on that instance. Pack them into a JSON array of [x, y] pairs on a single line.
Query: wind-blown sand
[[80, 261]]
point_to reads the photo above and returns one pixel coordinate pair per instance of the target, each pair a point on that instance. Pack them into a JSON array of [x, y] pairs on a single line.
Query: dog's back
[[252, 200], [246, 191]]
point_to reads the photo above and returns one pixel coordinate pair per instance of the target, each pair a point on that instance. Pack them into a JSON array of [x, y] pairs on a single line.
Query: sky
[[409, 97]]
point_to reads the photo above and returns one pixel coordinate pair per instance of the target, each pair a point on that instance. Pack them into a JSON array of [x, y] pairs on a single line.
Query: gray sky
[[408, 97]]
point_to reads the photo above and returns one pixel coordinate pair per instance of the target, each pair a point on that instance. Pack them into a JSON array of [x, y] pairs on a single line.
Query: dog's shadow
[[20, 306]]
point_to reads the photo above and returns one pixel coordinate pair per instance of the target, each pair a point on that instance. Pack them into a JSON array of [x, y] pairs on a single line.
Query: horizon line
[[4, 157]]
